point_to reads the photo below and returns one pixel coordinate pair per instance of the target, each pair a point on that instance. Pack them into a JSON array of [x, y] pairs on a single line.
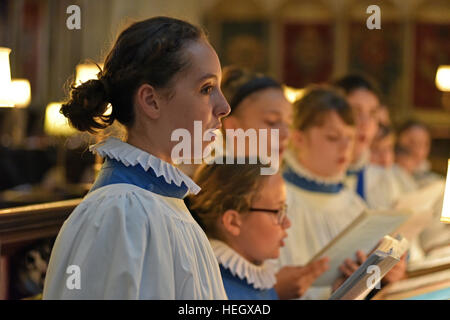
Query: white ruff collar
[[363, 160], [114, 148], [423, 167], [293, 163], [261, 277]]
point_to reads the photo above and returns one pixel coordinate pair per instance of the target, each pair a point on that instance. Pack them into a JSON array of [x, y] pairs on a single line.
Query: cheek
[[195, 107], [373, 128], [264, 234]]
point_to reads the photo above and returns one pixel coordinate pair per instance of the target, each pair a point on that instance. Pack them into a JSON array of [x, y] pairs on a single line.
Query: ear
[[148, 101], [298, 139], [232, 222]]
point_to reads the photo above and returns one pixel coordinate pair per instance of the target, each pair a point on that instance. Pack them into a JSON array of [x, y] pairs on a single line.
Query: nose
[[221, 107], [286, 223], [284, 133]]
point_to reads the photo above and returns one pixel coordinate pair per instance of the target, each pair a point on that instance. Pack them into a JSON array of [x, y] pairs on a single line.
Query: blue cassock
[[240, 289]]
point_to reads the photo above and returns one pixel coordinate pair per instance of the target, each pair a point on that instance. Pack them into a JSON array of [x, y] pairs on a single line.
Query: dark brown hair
[[149, 51], [409, 124], [238, 83], [224, 187], [317, 102], [352, 82]]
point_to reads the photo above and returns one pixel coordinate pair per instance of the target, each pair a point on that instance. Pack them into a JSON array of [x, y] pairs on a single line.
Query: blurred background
[[296, 41]]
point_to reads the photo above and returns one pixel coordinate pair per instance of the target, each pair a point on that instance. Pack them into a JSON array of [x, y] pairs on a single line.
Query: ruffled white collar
[[292, 162], [261, 277], [114, 148], [423, 167], [363, 160]]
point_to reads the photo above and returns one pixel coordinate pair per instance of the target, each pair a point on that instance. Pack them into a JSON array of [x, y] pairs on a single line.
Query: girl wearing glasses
[[318, 203], [243, 214], [258, 102]]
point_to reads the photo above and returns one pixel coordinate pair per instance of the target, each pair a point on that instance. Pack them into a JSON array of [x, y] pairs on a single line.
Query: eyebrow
[[207, 76], [274, 112]]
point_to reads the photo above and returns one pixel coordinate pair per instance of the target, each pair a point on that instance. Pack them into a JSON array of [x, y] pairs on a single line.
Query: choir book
[[411, 214], [370, 273], [364, 233]]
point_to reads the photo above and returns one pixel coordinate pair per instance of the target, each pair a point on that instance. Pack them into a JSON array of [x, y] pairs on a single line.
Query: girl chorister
[[376, 185], [132, 237], [319, 204], [244, 215]]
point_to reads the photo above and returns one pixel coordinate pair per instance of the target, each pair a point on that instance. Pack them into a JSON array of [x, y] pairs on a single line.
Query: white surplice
[[128, 242], [317, 216]]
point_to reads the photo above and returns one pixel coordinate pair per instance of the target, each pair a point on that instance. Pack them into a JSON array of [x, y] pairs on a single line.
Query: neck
[[147, 143], [241, 252], [319, 174]]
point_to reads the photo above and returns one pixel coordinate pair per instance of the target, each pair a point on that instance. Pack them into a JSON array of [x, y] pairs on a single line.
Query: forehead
[[272, 188], [415, 132], [268, 100], [363, 98], [332, 120], [203, 60]]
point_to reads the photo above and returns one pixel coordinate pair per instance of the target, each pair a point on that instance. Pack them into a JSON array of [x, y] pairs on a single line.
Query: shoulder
[[130, 198]]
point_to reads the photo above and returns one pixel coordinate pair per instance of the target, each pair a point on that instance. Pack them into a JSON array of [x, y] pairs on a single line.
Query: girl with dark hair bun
[[132, 237]]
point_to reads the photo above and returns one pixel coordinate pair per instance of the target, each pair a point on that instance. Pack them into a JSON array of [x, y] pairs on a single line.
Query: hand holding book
[[294, 281], [386, 255]]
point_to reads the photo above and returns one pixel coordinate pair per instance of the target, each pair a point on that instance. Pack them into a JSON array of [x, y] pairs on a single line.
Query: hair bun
[[87, 105]]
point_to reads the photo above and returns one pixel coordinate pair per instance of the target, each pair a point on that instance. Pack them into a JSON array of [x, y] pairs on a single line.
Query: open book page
[[415, 286], [362, 234], [414, 225], [437, 260], [423, 203], [370, 273], [423, 199]]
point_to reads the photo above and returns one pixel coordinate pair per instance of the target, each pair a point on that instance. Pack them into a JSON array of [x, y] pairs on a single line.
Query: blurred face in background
[[364, 104], [326, 149], [264, 109], [417, 141], [382, 151], [383, 115]]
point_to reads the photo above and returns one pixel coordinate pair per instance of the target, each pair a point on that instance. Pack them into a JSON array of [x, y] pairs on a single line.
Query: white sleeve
[[106, 239]]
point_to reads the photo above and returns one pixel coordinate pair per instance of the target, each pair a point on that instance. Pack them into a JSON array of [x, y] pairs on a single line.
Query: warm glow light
[[293, 94], [89, 71], [85, 72], [55, 123], [20, 92], [5, 78], [443, 78], [445, 217]]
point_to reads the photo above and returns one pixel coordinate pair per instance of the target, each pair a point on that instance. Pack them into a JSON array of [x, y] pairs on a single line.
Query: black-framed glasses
[[281, 213]]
